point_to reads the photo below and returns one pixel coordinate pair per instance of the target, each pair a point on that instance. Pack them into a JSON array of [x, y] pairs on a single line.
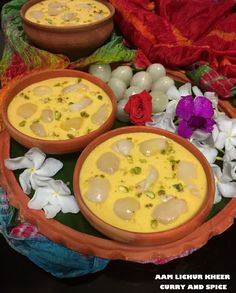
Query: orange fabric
[[180, 33]]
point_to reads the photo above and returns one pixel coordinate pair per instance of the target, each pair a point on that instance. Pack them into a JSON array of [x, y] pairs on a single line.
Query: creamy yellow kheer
[[142, 182], [59, 108], [67, 13]]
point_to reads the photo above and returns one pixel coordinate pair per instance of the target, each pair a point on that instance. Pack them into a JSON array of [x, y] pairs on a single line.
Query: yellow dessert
[[59, 108], [142, 182], [67, 13]]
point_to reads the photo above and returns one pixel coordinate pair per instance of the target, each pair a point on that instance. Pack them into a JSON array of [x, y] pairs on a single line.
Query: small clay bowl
[[154, 238], [56, 146], [73, 41]]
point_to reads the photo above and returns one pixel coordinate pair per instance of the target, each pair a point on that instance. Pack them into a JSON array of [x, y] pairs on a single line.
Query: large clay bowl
[[56, 146], [155, 238], [73, 41]]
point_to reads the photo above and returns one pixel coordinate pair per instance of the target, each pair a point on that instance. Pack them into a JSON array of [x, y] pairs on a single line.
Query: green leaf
[[111, 52]]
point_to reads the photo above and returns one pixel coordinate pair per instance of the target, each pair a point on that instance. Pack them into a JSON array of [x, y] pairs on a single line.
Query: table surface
[[218, 256]]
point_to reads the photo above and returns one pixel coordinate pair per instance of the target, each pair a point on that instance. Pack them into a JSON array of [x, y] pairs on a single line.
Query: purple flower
[[194, 114]]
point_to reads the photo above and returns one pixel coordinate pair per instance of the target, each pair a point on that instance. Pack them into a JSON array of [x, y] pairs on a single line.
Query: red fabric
[[180, 33]]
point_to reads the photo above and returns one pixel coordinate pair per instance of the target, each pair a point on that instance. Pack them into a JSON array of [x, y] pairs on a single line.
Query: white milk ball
[[124, 73], [118, 86], [159, 101], [102, 71], [132, 90], [162, 84], [121, 114], [156, 70], [142, 80]]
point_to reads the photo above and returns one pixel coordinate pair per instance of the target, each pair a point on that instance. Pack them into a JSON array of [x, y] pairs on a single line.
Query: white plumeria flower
[[224, 185], [53, 198], [39, 170], [187, 90], [224, 135], [209, 152], [229, 171], [175, 94], [165, 120]]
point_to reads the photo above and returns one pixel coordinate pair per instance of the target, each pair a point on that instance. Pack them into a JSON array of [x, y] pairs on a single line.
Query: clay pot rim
[[72, 28], [106, 248], [196, 220], [56, 73]]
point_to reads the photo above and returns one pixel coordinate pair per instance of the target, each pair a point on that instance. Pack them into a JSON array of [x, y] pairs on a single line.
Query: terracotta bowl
[[56, 146], [154, 238], [73, 41]]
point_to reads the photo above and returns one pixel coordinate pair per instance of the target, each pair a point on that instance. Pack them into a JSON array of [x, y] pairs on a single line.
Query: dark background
[[218, 256]]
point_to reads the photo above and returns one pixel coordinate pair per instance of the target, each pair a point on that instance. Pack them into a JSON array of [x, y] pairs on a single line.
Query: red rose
[[139, 108]]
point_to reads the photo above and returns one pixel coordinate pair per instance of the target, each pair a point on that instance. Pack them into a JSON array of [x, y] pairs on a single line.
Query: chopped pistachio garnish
[[148, 205], [139, 194], [26, 97], [150, 194], [70, 135], [79, 80], [161, 192], [174, 164], [60, 100], [100, 97], [102, 176], [136, 170], [143, 161], [57, 84], [154, 224], [46, 100], [129, 138], [123, 188], [130, 159], [179, 187], [22, 123], [169, 150], [89, 130], [55, 134], [57, 115], [84, 114]]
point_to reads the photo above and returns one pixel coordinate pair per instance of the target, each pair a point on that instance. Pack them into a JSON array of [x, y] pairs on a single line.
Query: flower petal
[[60, 187], [197, 91], [50, 167], [217, 172], [18, 163], [68, 204], [39, 181], [36, 156], [218, 196], [171, 108], [40, 199], [185, 90], [203, 107], [210, 153], [24, 180], [230, 154], [227, 189], [224, 124], [218, 138], [185, 108], [184, 130], [229, 171], [162, 120], [173, 93], [209, 125], [51, 210], [212, 97], [200, 135]]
